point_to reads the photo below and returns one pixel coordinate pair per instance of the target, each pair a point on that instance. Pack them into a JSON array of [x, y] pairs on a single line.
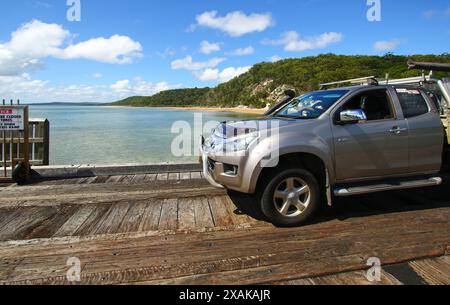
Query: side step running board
[[386, 186]]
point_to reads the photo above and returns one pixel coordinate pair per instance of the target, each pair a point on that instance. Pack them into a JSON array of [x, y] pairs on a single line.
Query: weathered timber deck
[[173, 228]]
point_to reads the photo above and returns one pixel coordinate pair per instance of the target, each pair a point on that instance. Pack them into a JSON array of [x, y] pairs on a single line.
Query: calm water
[[104, 135]]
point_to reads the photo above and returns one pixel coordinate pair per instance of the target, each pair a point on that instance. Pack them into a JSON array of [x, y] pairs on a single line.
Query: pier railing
[[39, 141]]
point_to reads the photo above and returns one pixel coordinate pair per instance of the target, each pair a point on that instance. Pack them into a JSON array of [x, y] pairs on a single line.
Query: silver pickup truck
[[330, 143]]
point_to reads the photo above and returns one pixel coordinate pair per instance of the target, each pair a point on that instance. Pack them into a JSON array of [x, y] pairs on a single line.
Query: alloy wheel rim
[[292, 197]]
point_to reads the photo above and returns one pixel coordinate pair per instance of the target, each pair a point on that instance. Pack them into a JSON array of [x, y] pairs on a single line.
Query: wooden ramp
[[176, 229]]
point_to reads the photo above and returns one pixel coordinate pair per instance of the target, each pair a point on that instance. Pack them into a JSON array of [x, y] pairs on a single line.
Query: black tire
[[19, 174], [268, 203]]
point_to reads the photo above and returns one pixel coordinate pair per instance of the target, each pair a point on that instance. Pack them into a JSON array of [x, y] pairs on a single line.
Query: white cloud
[[230, 73], [97, 75], [143, 88], [275, 58], [243, 51], [121, 86], [187, 63], [114, 50], [293, 43], [207, 75], [207, 47], [30, 91], [223, 76], [140, 87], [386, 45], [236, 23], [36, 40]]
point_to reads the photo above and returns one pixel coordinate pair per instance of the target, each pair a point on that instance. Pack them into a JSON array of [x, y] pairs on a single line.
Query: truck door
[[377, 147], [426, 131]]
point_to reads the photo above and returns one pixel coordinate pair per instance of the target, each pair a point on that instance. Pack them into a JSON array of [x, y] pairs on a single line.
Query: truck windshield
[[310, 106]]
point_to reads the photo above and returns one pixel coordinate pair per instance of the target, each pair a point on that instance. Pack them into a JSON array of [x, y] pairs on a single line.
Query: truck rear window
[[413, 103]]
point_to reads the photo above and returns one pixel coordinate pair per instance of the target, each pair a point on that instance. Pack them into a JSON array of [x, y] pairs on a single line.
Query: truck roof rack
[[369, 80]]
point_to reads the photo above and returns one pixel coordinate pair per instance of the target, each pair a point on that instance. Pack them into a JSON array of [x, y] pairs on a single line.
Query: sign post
[[13, 124]]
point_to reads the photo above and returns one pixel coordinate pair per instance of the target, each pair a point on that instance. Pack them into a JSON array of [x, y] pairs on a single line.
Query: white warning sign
[[12, 118]]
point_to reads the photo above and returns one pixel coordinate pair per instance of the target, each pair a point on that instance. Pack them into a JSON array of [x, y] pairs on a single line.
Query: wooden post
[[11, 145], [26, 141], [46, 160], [5, 170]]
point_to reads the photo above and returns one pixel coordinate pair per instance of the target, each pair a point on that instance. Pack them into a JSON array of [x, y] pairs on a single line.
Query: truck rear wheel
[[290, 198]]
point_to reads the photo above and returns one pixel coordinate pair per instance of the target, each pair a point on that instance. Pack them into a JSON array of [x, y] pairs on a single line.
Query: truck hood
[[233, 129]]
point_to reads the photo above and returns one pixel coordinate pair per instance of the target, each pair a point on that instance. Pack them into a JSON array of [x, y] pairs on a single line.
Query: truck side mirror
[[352, 116]]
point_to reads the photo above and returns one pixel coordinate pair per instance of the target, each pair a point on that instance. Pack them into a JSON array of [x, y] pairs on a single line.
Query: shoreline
[[200, 108]]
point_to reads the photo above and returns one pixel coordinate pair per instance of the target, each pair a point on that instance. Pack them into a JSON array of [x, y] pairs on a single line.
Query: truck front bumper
[[207, 173]]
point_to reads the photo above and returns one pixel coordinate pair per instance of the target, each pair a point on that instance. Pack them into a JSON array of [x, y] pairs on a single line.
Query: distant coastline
[[67, 104]]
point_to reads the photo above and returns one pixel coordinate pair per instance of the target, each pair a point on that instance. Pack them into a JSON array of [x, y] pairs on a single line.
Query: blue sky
[[139, 47]]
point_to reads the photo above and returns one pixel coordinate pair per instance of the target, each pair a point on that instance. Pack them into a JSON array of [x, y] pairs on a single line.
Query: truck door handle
[[397, 130]]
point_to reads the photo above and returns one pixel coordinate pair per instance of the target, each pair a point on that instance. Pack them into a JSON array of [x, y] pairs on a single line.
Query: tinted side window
[[375, 104], [413, 103]]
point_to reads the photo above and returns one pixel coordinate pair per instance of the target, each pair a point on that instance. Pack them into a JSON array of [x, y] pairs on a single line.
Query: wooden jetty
[[173, 228]]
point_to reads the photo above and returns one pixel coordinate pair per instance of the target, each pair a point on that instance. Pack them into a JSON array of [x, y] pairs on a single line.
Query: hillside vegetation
[[266, 81]]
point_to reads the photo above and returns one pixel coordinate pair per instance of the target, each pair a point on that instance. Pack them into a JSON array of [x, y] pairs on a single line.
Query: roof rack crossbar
[[360, 80], [408, 80]]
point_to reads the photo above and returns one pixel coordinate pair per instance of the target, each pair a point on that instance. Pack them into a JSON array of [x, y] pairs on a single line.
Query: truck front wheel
[[290, 198]]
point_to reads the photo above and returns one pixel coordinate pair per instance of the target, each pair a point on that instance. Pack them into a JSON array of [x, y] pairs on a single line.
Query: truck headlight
[[237, 144]]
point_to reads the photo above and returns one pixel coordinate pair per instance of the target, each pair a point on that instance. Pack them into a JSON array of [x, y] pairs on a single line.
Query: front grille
[[211, 165]]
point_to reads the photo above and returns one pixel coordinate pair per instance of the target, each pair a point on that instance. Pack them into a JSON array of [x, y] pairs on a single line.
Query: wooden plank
[[6, 215], [90, 180], [174, 176], [133, 218], [151, 217], [231, 210], [50, 226], [433, 271], [115, 179], [101, 179], [112, 219], [138, 179], [355, 278], [203, 217], [91, 222], [150, 177], [196, 175], [25, 222], [220, 213], [110, 193], [186, 214], [162, 177], [169, 215], [128, 179], [76, 221], [185, 176]]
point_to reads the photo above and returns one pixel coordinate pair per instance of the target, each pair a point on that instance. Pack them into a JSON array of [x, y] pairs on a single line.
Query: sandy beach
[[218, 109], [212, 109]]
